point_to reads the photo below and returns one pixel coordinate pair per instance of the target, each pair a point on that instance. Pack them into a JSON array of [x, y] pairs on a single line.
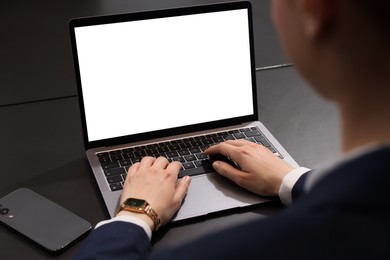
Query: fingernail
[[216, 164]]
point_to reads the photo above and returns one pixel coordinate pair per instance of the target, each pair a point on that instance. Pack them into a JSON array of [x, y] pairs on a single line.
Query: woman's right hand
[[260, 170]]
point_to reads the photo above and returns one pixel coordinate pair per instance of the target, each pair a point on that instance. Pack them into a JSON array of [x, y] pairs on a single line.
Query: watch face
[[134, 203]]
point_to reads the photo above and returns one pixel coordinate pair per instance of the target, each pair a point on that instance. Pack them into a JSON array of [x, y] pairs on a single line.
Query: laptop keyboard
[[188, 151]]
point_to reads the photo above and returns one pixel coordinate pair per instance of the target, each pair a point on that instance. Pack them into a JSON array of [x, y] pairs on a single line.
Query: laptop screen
[[147, 75]]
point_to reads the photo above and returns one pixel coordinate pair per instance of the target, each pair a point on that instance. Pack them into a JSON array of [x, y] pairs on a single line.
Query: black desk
[[42, 150], [41, 141]]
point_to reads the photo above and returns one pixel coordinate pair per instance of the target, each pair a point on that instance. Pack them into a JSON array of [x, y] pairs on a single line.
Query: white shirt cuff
[[288, 183], [129, 219]]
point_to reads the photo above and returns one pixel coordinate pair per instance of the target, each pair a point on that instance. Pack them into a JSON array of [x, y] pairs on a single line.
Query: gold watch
[[141, 206]]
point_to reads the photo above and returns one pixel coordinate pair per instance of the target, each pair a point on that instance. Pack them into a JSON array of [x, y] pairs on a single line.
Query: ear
[[317, 16]]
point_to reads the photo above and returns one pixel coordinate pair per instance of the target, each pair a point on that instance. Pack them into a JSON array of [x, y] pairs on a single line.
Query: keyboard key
[[151, 151], [190, 158], [229, 137], [243, 130], [201, 156], [204, 147], [188, 165], [136, 159], [110, 165], [208, 141], [172, 154], [115, 171], [251, 139], [202, 163], [179, 159], [116, 186], [116, 157], [128, 155], [252, 133], [126, 150], [183, 152], [185, 145], [125, 162], [104, 159], [262, 140], [139, 153], [162, 149], [239, 136], [104, 154], [218, 139], [211, 136], [233, 132], [195, 150], [114, 179], [140, 148], [189, 139], [196, 143], [195, 171], [174, 147], [272, 149], [160, 155]]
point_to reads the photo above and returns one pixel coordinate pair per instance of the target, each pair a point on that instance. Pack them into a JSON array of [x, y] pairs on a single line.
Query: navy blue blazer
[[346, 215]]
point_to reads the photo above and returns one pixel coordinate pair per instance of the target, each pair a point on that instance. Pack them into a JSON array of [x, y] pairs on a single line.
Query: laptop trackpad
[[211, 193]]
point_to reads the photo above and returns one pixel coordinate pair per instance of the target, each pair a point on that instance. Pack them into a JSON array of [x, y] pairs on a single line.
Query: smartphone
[[42, 221]]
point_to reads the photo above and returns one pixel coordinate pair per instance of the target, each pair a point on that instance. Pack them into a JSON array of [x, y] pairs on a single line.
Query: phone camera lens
[[4, 211]]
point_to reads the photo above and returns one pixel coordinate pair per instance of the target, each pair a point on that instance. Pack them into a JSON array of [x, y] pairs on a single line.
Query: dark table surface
[[41, 140]]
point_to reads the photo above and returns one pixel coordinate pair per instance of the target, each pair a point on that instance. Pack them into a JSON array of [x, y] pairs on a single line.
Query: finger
[[133, 169], [174, 167], [161, 162], [146, 162], [130, 173], [230, 144], [221, 148], [228, 171], [238, 143], [181, 190]]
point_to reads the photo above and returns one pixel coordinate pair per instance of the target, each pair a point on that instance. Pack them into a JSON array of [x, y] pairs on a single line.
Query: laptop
[[169, 83]]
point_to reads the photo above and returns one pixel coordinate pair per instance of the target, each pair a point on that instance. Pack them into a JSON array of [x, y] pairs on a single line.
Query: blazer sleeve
[[116, 240]]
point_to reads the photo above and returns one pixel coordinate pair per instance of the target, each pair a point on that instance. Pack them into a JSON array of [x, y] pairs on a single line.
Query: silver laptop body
[[168, 77]]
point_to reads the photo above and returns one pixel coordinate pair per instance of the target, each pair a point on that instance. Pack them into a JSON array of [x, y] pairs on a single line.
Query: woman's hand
[[155, 180], [261, 171]]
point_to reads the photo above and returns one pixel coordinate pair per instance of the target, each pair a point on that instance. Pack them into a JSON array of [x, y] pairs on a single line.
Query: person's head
[[339, 46]]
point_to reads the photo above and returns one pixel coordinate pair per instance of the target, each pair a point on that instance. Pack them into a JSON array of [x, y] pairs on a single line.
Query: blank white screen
[[155, 74]]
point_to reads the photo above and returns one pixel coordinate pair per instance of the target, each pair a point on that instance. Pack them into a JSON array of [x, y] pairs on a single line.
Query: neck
[[365, 122]]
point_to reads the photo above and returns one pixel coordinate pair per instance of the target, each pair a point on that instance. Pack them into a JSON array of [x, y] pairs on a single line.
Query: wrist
[[141, 207], [140, 216]]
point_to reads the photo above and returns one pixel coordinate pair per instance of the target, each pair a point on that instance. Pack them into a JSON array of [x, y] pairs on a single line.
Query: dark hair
[[377, 11]]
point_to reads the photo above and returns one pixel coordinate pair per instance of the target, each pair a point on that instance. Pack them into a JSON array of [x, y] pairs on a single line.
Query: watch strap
[[147, 209], [153, 216]]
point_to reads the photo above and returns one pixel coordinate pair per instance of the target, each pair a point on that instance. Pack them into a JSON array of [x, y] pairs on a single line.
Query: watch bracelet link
[[153, 215], [148, 210]]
